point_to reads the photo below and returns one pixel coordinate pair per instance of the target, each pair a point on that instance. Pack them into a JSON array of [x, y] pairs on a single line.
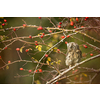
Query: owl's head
[[72, 46]]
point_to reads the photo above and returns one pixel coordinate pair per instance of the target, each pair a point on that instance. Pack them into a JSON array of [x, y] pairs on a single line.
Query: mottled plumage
[[73, 55]]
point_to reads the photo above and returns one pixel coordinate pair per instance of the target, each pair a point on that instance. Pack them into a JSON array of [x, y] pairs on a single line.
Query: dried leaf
[[47, 62], [52, 63], [55, 49], [50, 45], [7, 67], [21, 49], [0, 26], [39, 47], [37, 82], [59, 61], [33, 58], [84, 74], [40, 34], [49, 59], [36, 60], [55, 36]]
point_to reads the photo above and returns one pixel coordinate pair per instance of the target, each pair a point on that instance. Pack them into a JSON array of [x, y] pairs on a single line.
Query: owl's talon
[[76, 64], [69, 67]]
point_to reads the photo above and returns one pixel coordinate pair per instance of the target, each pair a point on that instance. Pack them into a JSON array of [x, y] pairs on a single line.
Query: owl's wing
[[79, 52], [67, 54]]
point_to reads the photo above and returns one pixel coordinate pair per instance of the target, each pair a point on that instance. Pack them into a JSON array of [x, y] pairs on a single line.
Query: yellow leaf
[[21, 49], [84, 74], [39, 47], [36, 46], [58, 62], [47, 62], [55, 49], [49, 59], [33, 58], [41, 33], [55, 36], [50, 45], [70, 19], [37, 82], [0, 26], [52, 63], [36, 60], [7, 67], [73, 19]]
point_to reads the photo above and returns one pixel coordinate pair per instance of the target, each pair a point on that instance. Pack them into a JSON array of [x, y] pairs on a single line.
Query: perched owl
[[73, 54]]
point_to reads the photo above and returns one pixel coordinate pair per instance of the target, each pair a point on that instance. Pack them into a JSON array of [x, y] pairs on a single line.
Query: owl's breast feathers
[[73, 57]]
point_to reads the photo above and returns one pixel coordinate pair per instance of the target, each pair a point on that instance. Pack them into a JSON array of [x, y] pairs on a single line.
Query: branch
[[21, 61], [64, 72]]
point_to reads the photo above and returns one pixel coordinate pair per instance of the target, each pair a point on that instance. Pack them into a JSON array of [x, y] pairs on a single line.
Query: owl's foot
[[69, 66], [76, 64]]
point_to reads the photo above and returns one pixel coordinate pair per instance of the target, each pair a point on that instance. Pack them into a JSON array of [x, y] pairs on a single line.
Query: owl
[[73, 54]]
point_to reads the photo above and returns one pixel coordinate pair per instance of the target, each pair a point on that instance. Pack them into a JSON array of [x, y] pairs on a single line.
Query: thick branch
[[64, 72]]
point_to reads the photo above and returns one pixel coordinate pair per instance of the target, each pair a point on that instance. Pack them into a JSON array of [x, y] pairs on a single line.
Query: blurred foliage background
[[7, 75]]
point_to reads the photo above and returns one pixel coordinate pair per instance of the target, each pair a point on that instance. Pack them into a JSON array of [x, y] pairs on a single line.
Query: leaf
[[40, 34], [55, 49], [52, 63], [47, 62], [84, 74], [33, 58], [49, 59], [55, 36], [37, 82], [21, 49], [72, 19], [36, 60], [39, 47], [7, 67], [0, 26], [50, 45], [59, 61]]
